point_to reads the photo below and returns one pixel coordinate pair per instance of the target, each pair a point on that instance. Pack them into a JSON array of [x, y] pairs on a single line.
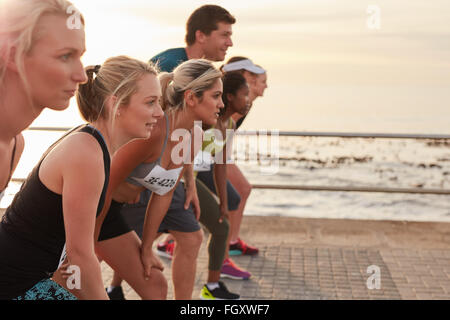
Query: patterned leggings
[[47, 290]]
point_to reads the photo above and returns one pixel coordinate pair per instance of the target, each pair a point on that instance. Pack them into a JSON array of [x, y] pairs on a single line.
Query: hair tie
[[91, 70]]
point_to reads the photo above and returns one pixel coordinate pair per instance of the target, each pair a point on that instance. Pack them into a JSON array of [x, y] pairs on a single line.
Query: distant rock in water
[[341, 160], [333, 161], [438, 143], [431, 165]]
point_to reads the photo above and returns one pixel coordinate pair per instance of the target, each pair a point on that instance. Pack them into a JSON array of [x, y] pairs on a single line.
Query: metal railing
[[352, 135], [331, 135], [309, 134]]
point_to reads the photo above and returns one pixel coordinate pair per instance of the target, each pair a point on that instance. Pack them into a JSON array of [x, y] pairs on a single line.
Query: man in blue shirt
[[208, 36]]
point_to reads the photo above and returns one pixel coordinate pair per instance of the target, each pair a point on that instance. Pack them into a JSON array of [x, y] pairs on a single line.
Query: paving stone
[[297, 273]]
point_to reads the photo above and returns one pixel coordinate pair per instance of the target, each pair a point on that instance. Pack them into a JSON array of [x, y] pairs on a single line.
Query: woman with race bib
[[211, 167], [192, 92], [211, 181]]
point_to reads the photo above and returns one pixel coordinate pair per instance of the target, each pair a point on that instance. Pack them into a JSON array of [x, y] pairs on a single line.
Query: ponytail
[[197, 75], [118, 77], [89, 101], [170, 97]]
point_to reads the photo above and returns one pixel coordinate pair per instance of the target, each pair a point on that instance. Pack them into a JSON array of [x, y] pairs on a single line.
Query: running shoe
[[220, 293], [241, 248], [165, 249], [116, 294], [232, 271]]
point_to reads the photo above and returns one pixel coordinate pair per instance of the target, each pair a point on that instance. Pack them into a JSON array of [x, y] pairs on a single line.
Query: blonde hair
[[18, 31], [197, 75], [118, 77]]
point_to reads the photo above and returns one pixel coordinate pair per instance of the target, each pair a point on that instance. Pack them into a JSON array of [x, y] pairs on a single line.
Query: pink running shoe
[[165, 249], [232, 271]]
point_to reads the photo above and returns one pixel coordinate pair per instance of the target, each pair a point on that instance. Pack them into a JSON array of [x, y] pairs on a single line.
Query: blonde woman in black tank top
[[34, 74]]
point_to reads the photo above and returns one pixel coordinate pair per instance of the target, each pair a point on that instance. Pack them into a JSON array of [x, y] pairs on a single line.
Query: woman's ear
[[110, 103]]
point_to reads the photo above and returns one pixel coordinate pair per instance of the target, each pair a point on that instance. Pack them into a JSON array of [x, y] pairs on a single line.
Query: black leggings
[[218, 232], [210, 214]]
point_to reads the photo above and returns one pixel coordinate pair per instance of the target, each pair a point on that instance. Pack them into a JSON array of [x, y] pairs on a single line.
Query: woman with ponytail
[[192, 92], [257, 81], [52, 217], [39, 67]]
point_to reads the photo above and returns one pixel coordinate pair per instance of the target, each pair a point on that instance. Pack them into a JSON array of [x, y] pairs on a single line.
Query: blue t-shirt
[[170, 59]]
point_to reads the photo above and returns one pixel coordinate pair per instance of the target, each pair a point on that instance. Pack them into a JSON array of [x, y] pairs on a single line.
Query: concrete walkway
[[334, 259], [329, 259]]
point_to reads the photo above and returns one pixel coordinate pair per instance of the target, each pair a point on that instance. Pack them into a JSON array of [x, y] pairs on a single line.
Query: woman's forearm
[[188, 174], [86, 280], [156, 210], [150, 229]]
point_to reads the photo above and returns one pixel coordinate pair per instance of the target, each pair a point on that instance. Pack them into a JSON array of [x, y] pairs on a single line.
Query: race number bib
[[203, 161], [160, 180]]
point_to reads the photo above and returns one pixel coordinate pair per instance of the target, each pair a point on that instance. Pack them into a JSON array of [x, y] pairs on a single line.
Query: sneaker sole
[[203, 298], [235, 252], [224, 275], [240, 253]]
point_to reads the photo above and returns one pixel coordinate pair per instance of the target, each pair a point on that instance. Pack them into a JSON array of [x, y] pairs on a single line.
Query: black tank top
[[239, 122], [32, 235]]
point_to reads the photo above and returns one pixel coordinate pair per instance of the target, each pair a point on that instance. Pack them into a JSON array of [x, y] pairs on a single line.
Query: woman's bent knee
[[156, 286], [189, 241], [221, 229]]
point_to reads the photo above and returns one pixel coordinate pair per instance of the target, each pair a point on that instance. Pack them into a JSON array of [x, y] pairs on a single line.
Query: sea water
[[323, 161]]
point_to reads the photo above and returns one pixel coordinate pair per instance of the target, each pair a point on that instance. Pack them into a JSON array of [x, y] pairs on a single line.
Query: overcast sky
[[327, 69]]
